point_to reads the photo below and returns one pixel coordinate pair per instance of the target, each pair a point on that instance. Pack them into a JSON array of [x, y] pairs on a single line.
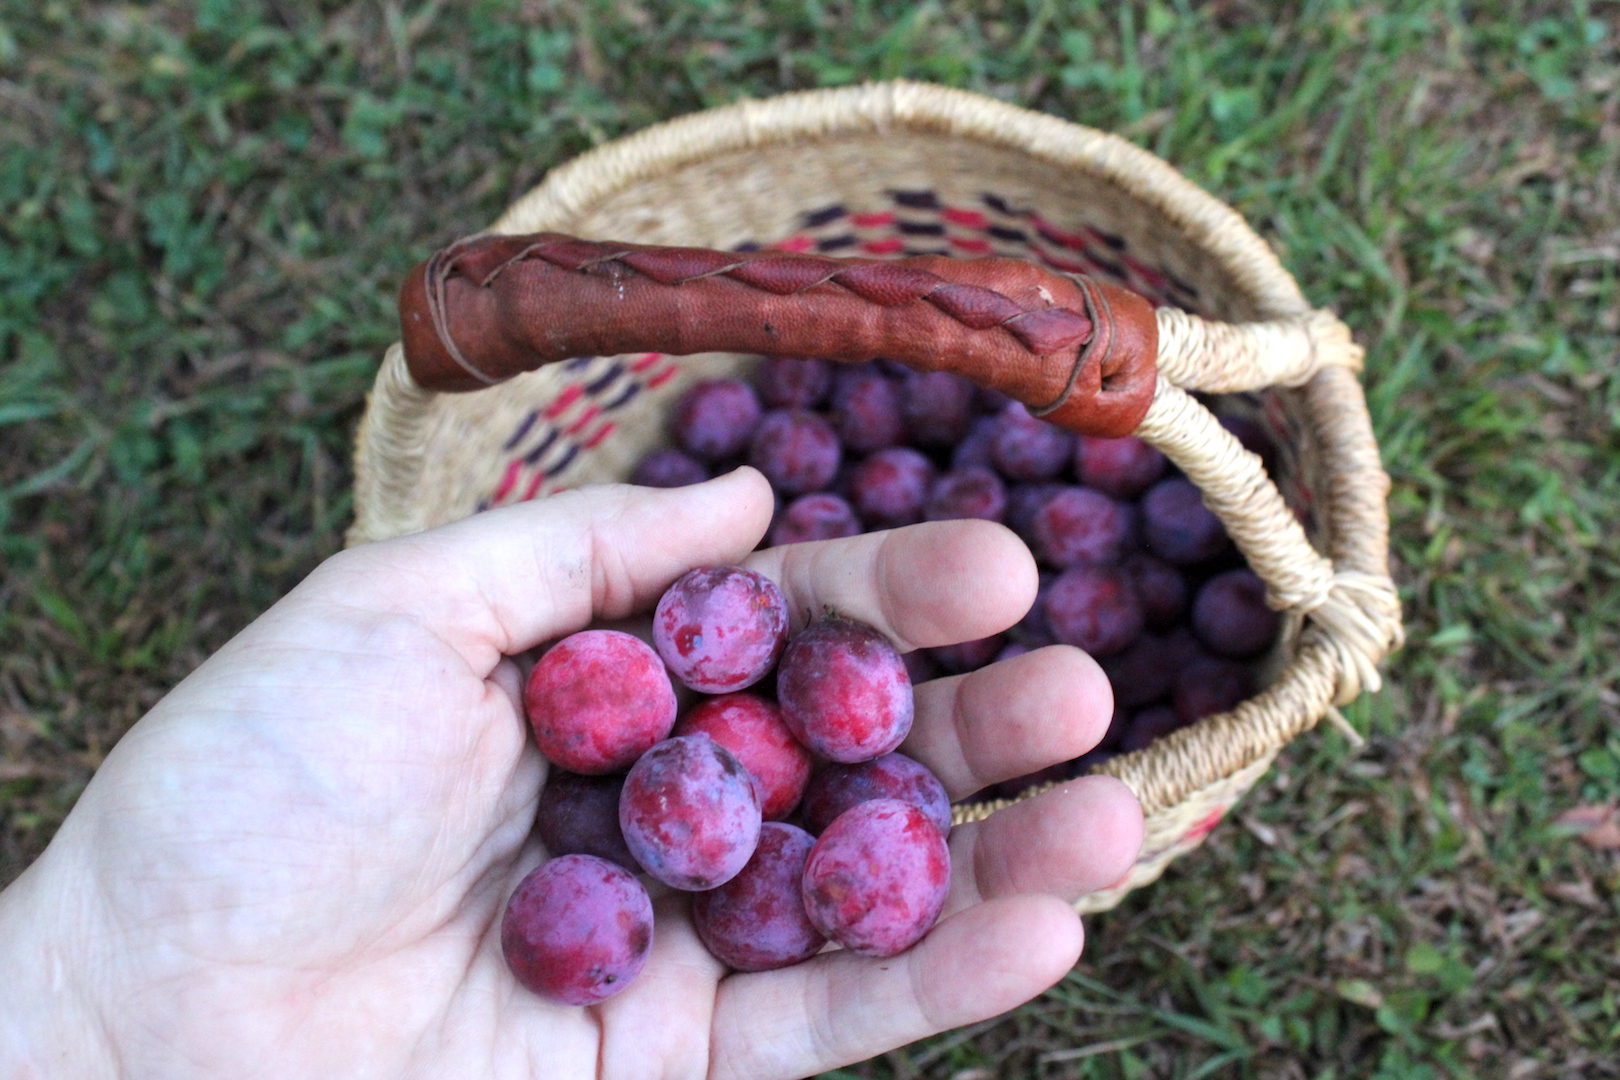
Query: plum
[[877, 878], [821, 515], [669, 468], [716, 418], [597, 700], [844, 690], [752, 729], [1095, 609], [756, 921], [690, 813], [797, 451], [579, 815], [577, 930], [835, 788], [1230, 615], [720, 628]]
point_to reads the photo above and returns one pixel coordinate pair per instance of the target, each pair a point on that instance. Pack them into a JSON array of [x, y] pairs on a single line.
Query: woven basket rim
[[809, 116]]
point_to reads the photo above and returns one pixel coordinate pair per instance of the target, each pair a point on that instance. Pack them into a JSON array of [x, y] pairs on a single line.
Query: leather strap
[[1076, 351]]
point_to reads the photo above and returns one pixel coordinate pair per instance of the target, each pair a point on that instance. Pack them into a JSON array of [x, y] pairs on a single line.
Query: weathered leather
[[486, 308]]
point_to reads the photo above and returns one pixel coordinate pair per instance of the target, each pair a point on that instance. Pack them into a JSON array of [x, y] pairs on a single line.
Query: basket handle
[[1076, 351]]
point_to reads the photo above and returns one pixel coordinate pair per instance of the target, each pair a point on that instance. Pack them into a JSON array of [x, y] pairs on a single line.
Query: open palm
[[296, 864]]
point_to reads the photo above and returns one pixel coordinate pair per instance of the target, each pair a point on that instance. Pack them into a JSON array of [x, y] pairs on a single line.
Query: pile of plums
[[1135, 569], [724, 800]]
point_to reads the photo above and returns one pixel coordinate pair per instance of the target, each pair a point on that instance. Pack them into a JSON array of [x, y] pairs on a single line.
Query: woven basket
[[901, 168]]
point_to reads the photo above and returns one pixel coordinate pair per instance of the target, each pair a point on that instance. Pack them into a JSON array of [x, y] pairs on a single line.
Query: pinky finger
[[840, 1008]]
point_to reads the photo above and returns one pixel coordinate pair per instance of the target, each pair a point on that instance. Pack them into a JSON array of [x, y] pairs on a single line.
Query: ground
[[206, 208]]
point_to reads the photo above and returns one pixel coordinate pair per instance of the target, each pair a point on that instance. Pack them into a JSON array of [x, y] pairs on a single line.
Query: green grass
[[204, 209]]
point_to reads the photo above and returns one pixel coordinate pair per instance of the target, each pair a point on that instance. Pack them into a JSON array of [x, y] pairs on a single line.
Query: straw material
[[902, 168]]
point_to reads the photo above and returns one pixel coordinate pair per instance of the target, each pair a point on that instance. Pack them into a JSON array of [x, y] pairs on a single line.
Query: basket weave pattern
[[902, 169]]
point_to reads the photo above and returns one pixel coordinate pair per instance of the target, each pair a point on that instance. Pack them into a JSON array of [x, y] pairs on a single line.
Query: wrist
[[48, 1025]]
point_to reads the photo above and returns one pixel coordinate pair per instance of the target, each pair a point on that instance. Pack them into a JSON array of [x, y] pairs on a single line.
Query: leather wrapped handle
[[1076, 351]]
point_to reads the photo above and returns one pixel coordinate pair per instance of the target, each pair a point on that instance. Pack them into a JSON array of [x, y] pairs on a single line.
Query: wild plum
[[937, 406], [752, 729], [720, 628], [844, 690], [821, 515], [1148, 725], [690, 813], [890, 487], [577, 930], [1077, 526], [756, 921], [1209, 685], [579, 815], [669, 468], [1230, 615], [1178, 527], [797, 451], [716, 418], [1159, 586], [877, 878], [974, 449], [967, 655], [970, 492], [791, 383], [866, 410], [1095, 609], [835, 788], [1025, 447], [597, 700], [1121, 468], [1139, 674]]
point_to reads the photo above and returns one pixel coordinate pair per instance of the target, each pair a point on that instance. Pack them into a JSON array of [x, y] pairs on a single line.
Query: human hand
[[296, 864]]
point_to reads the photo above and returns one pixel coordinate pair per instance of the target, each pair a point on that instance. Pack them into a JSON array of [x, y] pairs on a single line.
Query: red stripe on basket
[[962, 243], [1147, 273], [646, 360], [884, 247], [661, 377], [534, 485], [508, 478], [598, 435], [564, 399], [584, 418], [968, 219], [1071, 266], [1072, 240], [796, 243], [1206, 825], [873, 221]]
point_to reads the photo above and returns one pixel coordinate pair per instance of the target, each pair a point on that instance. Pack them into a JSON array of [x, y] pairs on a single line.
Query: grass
[[206, 207]]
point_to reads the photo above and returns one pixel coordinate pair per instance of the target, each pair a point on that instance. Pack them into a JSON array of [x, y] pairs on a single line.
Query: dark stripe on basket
[[522, 429], [606, 380], [1113, 240], [1005, 232], [920, 228], [533, 456], [915, 200], [565, 461], [833, 243], [578, 363], [815, 218], [1000, 205], [624, 397]]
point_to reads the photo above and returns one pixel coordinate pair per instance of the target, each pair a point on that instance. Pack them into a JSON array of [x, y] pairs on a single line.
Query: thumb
[[505, 580]]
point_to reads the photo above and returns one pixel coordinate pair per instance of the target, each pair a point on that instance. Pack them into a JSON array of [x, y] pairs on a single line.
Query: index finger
[[937, 583]]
